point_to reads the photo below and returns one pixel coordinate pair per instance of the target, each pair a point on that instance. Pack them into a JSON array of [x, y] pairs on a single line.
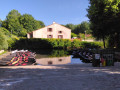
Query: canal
[[56, 57]]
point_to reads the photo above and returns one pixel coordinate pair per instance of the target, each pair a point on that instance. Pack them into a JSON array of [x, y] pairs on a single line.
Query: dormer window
[[59, 31], [49, 29]]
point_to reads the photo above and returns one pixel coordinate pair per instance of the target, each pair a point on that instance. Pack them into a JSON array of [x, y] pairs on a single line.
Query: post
[[85, 36]]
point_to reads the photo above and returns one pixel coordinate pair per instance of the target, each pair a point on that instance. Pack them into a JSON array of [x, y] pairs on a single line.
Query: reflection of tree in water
[[58, 53]]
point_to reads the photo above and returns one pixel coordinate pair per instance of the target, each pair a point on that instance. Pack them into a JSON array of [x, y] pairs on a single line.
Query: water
[[56, 57], [44, 57]]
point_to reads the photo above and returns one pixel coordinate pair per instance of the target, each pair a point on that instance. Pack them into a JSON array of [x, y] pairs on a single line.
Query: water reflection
[[53, 60], [56, 57]]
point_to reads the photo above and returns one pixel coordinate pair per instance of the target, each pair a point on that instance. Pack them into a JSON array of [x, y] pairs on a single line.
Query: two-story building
[[52, 31]]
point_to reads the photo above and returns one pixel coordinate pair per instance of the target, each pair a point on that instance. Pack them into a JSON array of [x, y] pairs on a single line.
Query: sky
[[48, 11]]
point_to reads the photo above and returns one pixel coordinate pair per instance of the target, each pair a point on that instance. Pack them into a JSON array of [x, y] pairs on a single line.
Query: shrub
[[76, 43], [3, 41], [35, 43]]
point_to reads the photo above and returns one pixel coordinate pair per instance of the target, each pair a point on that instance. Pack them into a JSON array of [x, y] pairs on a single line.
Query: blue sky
[[60, 11]]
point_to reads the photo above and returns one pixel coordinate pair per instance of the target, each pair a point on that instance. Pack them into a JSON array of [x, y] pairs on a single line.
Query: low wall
[[117, 55]]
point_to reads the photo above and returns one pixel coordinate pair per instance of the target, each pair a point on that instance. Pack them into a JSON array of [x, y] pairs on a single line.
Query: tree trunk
[[117, 40], [104, 41]]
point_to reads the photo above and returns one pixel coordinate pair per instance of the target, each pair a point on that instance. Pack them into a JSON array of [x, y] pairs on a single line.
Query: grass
[[3, 52]]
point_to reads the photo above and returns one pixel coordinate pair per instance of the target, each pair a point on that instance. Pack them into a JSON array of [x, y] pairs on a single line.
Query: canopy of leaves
[[73, 35], [19, 24], [104, 16], [3, 41], [80, 28]]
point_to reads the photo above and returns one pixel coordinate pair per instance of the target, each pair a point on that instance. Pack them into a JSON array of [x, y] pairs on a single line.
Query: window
[[59, 31], [49, 29], [60, 60], [50, 62], [60, 36], [49, 36]]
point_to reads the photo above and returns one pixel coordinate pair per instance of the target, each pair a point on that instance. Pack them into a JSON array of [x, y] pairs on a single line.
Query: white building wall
[[42, 33]]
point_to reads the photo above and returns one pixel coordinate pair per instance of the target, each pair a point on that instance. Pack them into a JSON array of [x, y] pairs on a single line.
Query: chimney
[[53, 22]]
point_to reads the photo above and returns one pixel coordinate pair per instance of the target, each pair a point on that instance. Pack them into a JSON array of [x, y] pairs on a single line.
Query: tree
[[77, 29], [80, 28], [19, 24], [38, 24], [85, 26], [73, 35], [74, 28], [12, 22], [104, 16], [29, 23], [3, 41], [0, 22]]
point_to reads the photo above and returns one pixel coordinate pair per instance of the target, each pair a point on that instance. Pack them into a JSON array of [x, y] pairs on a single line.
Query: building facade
[[52, 31]]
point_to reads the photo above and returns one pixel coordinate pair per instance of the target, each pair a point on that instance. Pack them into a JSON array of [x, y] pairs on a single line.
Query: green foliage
[[29, 23], [103, 15], [73, 35], [76, 43], [12, 22], [82, 44], [11, 41], [5, 31], [33, 43], [67, 43], [19, 24], [0, 22], [81, 35], [37, 44], [85, 27], [80, 28], [3, 41], [58, 53]]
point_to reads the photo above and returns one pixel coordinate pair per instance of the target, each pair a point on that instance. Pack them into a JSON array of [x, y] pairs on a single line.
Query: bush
[[3, 41], [82, 44], [76, 43], [37, 44]]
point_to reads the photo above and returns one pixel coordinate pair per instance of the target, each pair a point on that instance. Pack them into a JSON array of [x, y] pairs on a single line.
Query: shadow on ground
[[63, 77]]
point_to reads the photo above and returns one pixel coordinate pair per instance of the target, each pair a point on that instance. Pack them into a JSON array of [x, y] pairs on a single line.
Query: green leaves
[[80, 28], [19, 24], [104, 16], [3, 41], [29, 23]]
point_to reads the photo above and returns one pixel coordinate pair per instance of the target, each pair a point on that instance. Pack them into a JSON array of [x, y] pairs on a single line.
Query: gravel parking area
[[63, 77]]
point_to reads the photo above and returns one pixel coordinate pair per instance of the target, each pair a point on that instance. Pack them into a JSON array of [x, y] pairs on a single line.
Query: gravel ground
[[63, 77]]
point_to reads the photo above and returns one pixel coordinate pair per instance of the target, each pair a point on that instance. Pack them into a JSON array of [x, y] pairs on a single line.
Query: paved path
[[64, 77]]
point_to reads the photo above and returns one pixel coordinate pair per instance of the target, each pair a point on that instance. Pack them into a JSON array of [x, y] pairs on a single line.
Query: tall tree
[[29, 23], [85, 27], [70, 26], [3, 41], [12, 22], [103, 15], [0, 22]]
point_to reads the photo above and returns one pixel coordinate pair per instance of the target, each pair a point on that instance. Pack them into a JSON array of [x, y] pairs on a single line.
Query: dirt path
[[4, 55], [64, 77]]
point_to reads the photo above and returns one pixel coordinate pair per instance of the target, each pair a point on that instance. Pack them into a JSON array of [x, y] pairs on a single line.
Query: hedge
[[35, 43]]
